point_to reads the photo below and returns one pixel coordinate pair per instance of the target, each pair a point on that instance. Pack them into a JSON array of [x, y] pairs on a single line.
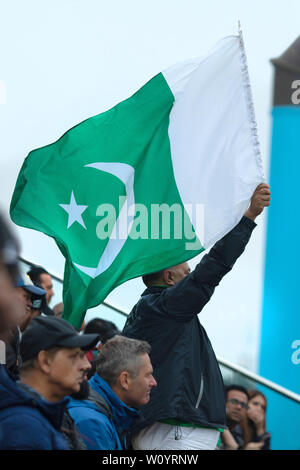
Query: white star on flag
[[74, 211]]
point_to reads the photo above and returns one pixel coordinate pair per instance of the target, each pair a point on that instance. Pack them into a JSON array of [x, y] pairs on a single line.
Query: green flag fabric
[[147, 184]]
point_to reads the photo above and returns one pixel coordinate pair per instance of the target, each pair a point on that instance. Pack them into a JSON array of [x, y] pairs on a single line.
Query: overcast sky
[[63, 61]]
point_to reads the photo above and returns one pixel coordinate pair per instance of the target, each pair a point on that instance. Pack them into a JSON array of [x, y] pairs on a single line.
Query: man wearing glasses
[[236, 406]]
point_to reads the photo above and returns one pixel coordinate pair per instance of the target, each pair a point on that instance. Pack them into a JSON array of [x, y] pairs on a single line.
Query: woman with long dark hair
[[254, 423]]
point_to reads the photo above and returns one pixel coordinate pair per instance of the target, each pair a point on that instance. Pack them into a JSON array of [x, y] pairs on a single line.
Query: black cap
[[44, 333]]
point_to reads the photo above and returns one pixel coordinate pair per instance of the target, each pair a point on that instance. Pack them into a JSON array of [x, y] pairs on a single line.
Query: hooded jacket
[[98, 431], [68, 428], [190, 386], [28, 423]]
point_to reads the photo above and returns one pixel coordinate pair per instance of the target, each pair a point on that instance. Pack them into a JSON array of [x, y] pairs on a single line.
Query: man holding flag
[[186, 141], [187, 408]]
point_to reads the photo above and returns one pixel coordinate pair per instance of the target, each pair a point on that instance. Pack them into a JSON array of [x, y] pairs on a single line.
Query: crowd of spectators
[[100, 388]]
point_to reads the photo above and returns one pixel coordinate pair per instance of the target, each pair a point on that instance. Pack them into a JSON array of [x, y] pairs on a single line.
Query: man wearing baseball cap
[[26, 291], [53, 366], [41, 278]]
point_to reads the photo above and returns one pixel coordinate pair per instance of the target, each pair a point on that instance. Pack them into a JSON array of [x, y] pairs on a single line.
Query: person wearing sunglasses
[[236, 408]]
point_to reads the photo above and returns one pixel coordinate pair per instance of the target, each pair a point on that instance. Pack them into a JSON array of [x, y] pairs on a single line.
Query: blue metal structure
[[280, 330]]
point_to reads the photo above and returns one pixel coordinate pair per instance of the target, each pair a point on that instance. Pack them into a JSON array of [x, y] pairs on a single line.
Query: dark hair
[[239, 388], [104, 328], [252, 393], [149, 279], [247, 425], [35, 273]]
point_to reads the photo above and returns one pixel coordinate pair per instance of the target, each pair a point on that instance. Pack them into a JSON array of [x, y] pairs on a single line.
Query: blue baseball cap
[[24, 281]]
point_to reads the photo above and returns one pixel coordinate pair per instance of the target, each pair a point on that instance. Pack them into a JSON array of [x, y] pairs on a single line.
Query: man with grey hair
[[122, 383]]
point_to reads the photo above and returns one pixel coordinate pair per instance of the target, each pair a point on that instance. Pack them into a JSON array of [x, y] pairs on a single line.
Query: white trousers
[[161, 436]]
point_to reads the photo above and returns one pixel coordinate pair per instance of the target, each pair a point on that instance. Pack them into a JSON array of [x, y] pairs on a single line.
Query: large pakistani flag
[[149, 183]]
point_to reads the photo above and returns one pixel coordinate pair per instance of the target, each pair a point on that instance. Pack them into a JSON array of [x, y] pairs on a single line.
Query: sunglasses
[[234, 401]]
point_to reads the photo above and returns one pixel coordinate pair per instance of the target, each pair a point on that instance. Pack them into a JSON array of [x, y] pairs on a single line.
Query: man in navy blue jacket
[[121, 384], [187, 409], [54, 366]]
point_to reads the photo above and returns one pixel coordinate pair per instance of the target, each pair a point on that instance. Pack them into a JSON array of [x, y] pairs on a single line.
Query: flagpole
[[249, 100]]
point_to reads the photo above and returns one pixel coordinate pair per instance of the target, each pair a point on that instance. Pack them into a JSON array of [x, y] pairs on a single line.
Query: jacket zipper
[[200, 392]]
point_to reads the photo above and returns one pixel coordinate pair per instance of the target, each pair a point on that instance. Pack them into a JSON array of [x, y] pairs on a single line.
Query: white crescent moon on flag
[[125, 173]]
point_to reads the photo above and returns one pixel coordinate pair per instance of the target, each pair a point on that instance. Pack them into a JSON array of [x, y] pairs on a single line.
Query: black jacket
[[190, 386]]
